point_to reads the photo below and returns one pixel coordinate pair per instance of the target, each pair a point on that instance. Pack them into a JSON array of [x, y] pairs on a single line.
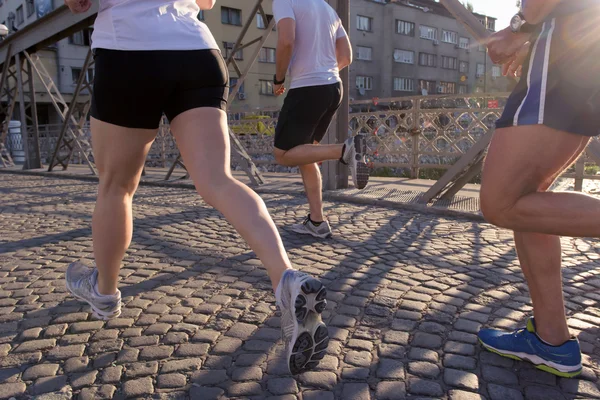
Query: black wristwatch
[[275, 81], [518, 24]]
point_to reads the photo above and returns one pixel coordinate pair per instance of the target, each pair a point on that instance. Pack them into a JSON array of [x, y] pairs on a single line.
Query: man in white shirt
[[314, 46]]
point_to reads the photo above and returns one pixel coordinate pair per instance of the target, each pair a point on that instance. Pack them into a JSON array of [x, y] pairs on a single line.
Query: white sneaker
[[301, 301], [354, 157], [81, 282], [307, 227]]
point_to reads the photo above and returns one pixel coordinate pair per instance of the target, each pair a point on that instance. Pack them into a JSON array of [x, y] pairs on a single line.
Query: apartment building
[[404, 48], [401, 48], [64, 60]]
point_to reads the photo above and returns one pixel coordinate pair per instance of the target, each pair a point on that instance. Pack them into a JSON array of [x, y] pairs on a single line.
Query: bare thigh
[[203, 140], [120, 153], [523, 160]]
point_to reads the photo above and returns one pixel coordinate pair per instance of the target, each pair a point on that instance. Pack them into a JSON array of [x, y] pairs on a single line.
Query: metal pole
[[335, 174], [343, 117], [37, 155], [24, 135]]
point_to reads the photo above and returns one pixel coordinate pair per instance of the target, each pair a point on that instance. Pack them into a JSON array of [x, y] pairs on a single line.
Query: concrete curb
[[420, 208]]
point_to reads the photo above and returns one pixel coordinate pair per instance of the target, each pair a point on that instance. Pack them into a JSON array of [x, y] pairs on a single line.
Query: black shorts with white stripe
[[560, 84]]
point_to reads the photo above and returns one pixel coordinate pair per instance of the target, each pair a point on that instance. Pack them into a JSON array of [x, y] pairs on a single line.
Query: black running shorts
[[560, 83], [306, 115], [134, 88]]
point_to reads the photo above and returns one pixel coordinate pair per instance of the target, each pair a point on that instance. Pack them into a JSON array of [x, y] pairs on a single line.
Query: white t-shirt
[[151, 25], [318, 27]]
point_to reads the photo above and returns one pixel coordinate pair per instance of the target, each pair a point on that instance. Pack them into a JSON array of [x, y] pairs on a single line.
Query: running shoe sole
[[360, 170], [96, 312], [312, 337], [308, 232], [538, 362]]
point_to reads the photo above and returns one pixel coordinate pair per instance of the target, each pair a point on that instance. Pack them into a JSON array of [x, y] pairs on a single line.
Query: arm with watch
[[510, 46], [286, 37]]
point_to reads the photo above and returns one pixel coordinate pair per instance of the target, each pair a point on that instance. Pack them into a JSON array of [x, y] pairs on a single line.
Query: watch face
[[515, 23]]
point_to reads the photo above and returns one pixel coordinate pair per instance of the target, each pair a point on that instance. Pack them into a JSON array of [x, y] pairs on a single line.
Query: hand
[[278, 89], [514, 65], [78, 6], [505, 44]]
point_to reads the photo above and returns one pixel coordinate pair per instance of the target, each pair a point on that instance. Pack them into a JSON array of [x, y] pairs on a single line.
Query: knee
[[114, 184], [494, 208], [281, 159], [211, 186]]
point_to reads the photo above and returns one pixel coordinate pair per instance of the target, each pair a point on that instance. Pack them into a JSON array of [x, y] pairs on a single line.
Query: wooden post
[[579, 172]]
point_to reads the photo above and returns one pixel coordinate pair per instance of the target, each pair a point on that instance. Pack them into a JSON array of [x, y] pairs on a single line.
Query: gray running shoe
[[308, 228], [81, 281], [354, 157], [305, 336]]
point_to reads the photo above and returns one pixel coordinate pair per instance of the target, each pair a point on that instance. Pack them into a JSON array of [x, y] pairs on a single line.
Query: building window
[[266, 55], [201, 15], [239, 55], [76, 73], [490, 24], [427, 87], [427, 60], [463, 67], [30, 8], [404, 56], [364, 53], [463, 43], [482, 48], [81, 38], [405, 28], [449, 37], [266, 87], [232, 83], [447, 87], [496, 71], [463, 89], [231, 16], [364, 23], [449, 62], [404, 84], [428, 32], [260, 22], [364, 82], [20, 16], [480, 70]]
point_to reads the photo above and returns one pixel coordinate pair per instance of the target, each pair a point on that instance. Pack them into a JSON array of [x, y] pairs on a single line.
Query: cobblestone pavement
[[407, 293]]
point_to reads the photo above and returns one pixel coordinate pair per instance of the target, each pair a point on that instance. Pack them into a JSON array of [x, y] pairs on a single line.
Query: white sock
[[98, 294]]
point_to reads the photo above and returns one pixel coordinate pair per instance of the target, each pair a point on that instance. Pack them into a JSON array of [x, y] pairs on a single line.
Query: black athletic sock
[[315, 223], [342, 156]]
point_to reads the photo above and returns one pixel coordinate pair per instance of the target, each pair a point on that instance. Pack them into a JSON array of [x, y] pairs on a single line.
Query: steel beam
[[469, 165], [56, 25]]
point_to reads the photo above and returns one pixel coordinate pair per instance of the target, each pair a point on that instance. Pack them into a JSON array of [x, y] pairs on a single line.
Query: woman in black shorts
[[155, 57]]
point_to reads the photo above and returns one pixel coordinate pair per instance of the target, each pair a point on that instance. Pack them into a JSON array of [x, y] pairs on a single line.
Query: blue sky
[[501, 9]]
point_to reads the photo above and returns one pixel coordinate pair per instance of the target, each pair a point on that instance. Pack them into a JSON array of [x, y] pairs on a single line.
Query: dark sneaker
[[307, 227]]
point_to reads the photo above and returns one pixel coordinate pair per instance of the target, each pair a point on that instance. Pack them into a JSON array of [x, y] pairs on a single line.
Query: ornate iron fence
[[405, 135]]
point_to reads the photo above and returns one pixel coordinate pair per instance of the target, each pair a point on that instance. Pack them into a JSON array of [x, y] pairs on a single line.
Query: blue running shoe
[[525, 344]]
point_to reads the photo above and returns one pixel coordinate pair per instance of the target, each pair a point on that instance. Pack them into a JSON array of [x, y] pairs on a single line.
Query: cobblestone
[[407, 293], [138, 387]]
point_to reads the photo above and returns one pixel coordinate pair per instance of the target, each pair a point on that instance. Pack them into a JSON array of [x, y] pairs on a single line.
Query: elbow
[[206, 4], [345, 61]]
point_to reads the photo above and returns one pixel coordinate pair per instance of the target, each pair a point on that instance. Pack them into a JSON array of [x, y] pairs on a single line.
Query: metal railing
[[405, 135]]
